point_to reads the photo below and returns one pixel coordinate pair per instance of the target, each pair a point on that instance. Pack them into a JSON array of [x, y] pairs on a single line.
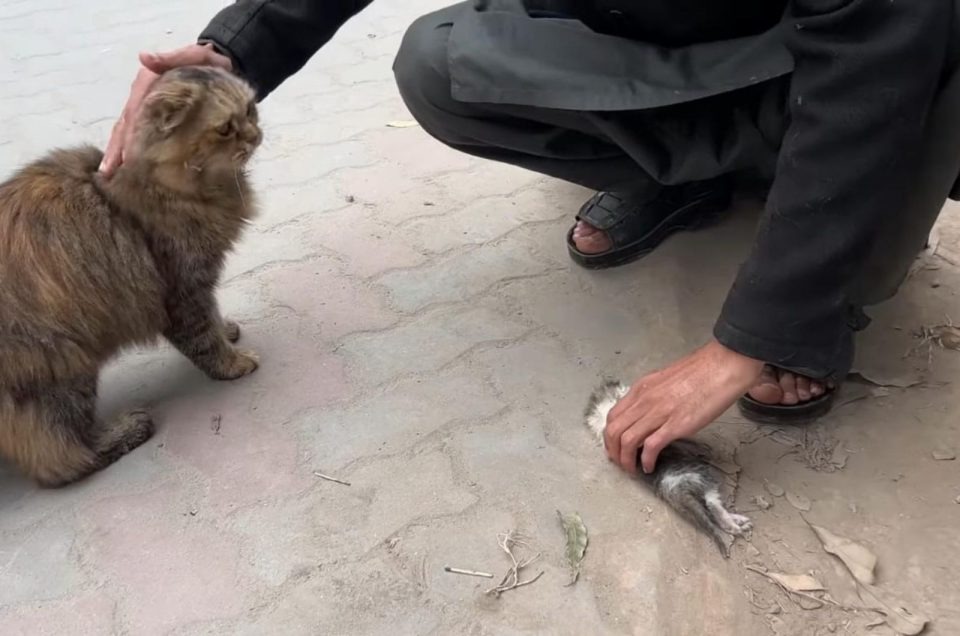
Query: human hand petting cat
[[676, 402], [154, 65]]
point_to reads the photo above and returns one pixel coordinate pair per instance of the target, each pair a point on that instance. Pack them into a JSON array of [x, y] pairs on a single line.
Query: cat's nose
[[253, 136]]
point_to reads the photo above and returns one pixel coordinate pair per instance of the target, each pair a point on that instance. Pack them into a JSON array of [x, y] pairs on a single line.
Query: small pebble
[[773, 489], [943, 455], [761, 502]]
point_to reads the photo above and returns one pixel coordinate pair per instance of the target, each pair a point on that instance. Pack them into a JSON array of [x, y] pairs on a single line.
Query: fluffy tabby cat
[[682, 478], [89, 266]]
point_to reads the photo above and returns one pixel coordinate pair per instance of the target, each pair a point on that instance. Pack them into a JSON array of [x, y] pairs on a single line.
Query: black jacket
[[865, 73]]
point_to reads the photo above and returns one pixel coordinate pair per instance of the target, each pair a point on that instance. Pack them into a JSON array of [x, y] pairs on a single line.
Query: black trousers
[[604, 150], [739, 131]]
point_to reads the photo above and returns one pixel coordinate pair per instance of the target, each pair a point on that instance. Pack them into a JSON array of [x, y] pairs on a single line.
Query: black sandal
[[794, 414], [636, 225]]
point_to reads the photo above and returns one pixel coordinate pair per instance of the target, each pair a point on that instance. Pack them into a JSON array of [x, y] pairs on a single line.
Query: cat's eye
[[226, 129]]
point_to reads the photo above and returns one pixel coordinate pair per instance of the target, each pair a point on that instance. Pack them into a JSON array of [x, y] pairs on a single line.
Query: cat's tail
[[55, 439], [45, 451]]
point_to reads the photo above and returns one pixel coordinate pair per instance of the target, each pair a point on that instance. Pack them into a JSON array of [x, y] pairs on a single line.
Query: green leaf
[[576, 537]]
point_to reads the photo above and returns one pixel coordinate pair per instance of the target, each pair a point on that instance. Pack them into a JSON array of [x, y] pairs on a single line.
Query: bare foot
[[589, 239], [783, 387]]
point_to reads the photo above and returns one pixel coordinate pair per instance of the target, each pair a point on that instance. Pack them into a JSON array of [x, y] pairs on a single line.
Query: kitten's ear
[[168, 106]]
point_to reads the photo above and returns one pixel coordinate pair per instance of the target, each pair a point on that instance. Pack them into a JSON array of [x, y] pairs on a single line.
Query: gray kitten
[[682, 478]]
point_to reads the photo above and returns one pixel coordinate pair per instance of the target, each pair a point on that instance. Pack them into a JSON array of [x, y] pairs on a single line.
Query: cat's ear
[[169, 106]]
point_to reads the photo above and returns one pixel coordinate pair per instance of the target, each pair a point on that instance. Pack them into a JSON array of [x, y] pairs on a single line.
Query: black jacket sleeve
[[866, 73], [270, 40]]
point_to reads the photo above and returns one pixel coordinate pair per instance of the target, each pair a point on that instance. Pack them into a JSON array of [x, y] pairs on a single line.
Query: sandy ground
[[425, 338]]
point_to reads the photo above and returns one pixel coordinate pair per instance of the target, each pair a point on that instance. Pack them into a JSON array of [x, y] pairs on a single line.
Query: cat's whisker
[[236, 176]]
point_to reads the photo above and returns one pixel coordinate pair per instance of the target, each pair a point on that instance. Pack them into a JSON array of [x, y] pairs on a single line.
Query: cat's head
[[202, 117]]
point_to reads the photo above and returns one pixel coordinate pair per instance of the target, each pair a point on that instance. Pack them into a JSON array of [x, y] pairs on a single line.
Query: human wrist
[[741, 368], [219, 50]]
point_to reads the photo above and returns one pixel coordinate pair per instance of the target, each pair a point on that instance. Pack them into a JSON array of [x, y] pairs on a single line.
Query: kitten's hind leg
[[689, 505], [197, 330], [731, 522], [55, 438]]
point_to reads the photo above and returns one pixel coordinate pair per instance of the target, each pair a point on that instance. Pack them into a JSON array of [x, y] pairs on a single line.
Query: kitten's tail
[[690, 506]]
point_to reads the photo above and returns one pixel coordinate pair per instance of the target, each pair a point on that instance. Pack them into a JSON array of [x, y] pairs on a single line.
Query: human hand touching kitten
[[676, 402], [121, 144]]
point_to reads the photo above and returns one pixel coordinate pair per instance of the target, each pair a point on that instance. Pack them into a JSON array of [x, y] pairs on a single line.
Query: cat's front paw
[[241, 363]]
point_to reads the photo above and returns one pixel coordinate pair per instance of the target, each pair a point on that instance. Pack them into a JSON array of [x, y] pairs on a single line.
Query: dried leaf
[[799, 502], [576, 536], [800, 585], [904, 381], [839, 457], [899, 618], [860, 561], [797, 582], [861, 564], [774, 489], [405, 123], [943, 455], [947, 336]]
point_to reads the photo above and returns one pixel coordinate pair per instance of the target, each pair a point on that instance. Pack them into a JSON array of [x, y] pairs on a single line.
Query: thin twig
[[826, 600], [528, 582], [333, 479], [467, 572], [511, 580]]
